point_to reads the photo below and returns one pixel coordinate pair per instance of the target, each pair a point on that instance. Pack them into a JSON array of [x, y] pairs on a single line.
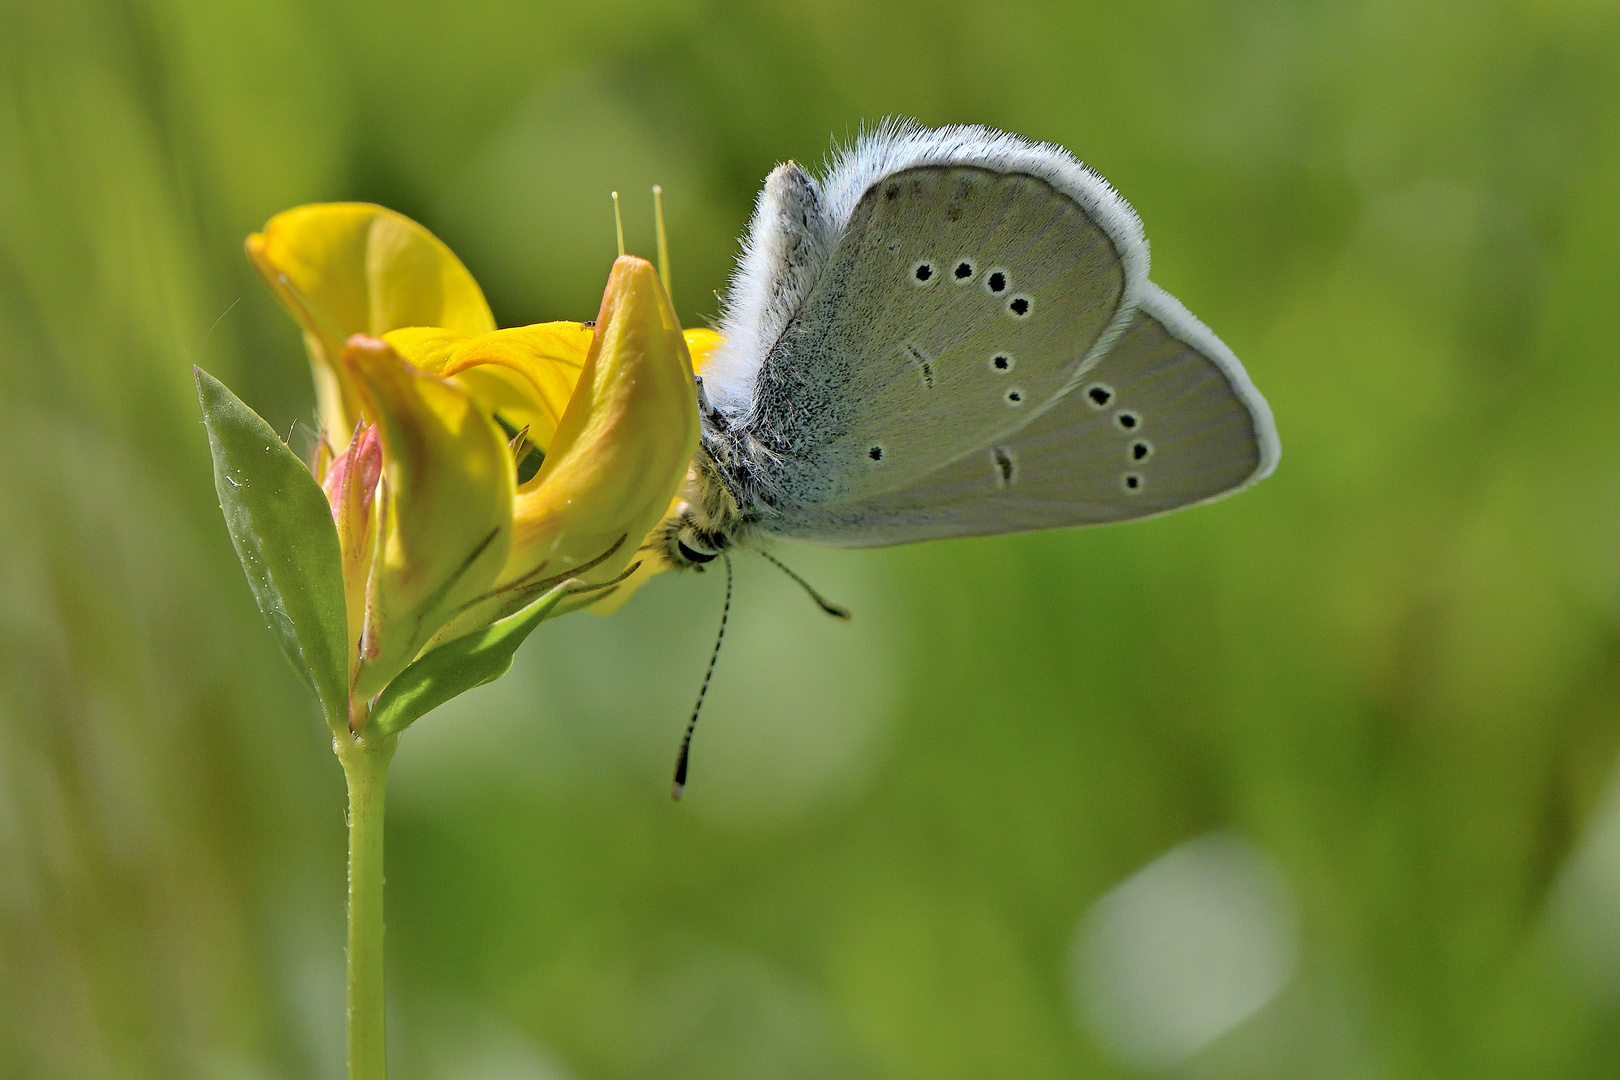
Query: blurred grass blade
[[459, 665], [281, 525]]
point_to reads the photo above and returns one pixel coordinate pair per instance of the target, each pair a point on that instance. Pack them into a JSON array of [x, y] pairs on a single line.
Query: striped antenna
[[837, 611], [691, 725]]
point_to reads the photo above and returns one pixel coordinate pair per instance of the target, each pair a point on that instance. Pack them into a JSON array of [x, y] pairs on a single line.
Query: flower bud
[[351, 487]]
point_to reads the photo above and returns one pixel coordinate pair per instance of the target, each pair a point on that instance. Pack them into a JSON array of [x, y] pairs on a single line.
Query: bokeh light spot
[[1183, 951]]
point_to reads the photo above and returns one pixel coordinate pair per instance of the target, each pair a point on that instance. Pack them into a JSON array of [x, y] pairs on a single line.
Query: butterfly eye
[[1099, 395], [1133, 482], [1019, 307], [1002, 361], [923, 273], [1141, 450], [692, 549], [996, 282], [1014, 397], [1127, 420], [963, 272], [692, 555]]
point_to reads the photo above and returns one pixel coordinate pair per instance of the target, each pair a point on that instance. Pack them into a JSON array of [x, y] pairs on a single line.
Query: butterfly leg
[[710, 415]]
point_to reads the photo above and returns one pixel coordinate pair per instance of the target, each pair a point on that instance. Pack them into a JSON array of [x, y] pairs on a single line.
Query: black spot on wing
[[1006, 466]]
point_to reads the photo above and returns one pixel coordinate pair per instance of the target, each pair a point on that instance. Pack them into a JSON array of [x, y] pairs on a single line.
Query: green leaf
[[281, 525], [457, 666]]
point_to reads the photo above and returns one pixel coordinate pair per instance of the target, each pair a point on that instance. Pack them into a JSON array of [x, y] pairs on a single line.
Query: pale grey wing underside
[[1166, 419], [956, 303]]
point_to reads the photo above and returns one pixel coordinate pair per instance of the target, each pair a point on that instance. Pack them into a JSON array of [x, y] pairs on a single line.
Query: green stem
[[365, 764]]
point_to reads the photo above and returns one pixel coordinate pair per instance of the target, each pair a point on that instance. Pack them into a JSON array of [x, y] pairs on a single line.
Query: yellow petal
[[355, 268], [525, 375], [701, 344], [426, 348], [627, 436], [444, 523]]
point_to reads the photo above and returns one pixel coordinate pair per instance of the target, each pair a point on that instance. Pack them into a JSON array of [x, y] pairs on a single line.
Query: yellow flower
[[442, 530]]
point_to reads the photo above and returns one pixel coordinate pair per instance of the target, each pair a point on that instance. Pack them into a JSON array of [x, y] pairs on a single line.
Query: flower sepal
[[467, 662], [281, 525]]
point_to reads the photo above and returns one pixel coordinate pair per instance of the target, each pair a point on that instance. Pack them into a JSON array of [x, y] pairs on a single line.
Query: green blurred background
[[1313, 782]]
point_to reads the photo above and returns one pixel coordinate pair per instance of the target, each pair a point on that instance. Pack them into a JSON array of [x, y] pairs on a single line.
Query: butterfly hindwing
[[1166, 418]]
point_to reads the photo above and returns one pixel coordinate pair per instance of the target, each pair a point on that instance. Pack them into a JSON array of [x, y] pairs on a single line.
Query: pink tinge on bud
[[364, 457], [351, 487]]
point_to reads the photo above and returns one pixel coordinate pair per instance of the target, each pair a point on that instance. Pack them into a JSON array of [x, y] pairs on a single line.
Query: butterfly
[[953, 334]]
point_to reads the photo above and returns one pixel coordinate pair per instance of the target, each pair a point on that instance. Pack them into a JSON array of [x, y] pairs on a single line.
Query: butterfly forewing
[[957, 302], [1166, 419]]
